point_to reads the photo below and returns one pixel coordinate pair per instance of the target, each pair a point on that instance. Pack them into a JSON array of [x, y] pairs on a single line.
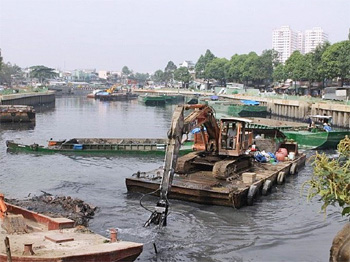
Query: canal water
[[283, 226]]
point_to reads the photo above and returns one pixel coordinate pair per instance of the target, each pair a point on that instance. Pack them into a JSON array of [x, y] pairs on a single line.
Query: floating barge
[[122, 96], [35, 237], [202, 187], [100, 145], [16, 114], [160, 100]]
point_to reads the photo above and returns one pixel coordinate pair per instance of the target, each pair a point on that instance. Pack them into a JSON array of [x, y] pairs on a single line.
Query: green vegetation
[[331, 179], [42, 73]]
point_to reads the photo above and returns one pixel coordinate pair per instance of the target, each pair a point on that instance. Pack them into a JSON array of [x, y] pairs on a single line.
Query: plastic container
[[284, 151], [77, 146], [291, 156], [280, 156]]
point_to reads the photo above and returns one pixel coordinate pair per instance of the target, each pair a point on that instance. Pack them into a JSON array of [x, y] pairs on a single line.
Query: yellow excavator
[[224, 152]]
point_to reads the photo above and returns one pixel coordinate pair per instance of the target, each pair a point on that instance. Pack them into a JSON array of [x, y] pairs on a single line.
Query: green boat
[[160, 100], [312, 135], [100, 145], [317, 138], [236, 108]]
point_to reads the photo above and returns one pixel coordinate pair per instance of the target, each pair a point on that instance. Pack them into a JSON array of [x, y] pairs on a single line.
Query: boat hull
[[317, 140], [101, 145]]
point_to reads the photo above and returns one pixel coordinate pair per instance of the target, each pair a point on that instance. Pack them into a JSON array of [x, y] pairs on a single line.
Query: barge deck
[[35, 237], [202, 187]]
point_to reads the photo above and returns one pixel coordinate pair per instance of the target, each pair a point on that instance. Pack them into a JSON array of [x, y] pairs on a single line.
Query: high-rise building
[[313, 38], [285, 41]]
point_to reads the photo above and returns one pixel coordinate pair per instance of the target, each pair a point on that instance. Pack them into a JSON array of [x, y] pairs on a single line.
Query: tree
[[331, 178], [126, 71], [336, 61], [235, 67], [295, 67], [183, 75], [266, 63], [202, 63], [42, 73], [158, 76], [250, 68], [169, 72], [216, 69], [279, 74], [9, 73]]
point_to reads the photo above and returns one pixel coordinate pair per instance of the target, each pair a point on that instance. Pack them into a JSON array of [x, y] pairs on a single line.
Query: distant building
[[285, 41], [314, 38], [188, 64], [103, 74]]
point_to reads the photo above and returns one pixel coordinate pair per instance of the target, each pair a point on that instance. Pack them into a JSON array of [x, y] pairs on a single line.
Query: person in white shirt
[[231, 137]]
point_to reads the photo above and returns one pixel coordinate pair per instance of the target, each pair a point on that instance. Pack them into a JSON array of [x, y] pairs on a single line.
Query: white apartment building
[[313, 38], [285, 41]]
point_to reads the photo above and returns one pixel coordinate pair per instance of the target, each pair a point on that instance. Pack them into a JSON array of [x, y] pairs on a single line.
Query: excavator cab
[[234, 139]]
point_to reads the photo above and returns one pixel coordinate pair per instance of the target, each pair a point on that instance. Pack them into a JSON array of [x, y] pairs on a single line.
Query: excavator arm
[[201, 115]]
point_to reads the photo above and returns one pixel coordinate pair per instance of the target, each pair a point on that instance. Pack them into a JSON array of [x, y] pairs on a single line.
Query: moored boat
[[31, 236], [309, 135], [160, 100], [16, 113], [237, 108], [121, 96], [99, 145]]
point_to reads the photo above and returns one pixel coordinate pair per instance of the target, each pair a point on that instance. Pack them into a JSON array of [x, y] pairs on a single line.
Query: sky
[[145, 34]]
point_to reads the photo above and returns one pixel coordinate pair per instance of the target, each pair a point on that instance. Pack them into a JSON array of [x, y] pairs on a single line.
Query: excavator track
[[226, 168], [184, 163]]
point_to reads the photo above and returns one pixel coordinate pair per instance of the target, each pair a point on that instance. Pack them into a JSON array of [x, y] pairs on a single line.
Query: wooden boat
[[35, 237], [237, 108], [100, 145], [202, 187], [16, 113], [160, 100]]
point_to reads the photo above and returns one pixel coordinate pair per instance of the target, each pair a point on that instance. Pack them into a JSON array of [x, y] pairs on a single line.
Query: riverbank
[[292, 107], [30, 99]]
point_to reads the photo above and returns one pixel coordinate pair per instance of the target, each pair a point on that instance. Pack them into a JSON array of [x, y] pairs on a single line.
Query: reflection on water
[[282, 226]]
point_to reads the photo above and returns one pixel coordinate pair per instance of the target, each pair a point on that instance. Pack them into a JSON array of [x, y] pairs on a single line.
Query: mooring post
[[8, 250]]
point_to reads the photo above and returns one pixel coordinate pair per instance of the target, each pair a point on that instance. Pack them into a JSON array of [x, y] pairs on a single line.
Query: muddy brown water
[[280, 227]]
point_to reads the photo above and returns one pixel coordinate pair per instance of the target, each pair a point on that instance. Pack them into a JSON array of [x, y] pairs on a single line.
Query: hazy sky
[[145, 34]]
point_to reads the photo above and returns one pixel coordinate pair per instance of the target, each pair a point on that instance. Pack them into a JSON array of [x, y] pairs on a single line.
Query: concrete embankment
[[30, 99], [297, 109]]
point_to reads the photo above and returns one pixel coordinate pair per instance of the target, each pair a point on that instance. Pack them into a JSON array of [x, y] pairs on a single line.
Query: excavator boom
[[201, 115]]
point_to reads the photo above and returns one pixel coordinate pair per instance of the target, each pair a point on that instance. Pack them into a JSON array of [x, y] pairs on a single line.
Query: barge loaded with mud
[[16, 114], [237, 165], [31, 236]]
